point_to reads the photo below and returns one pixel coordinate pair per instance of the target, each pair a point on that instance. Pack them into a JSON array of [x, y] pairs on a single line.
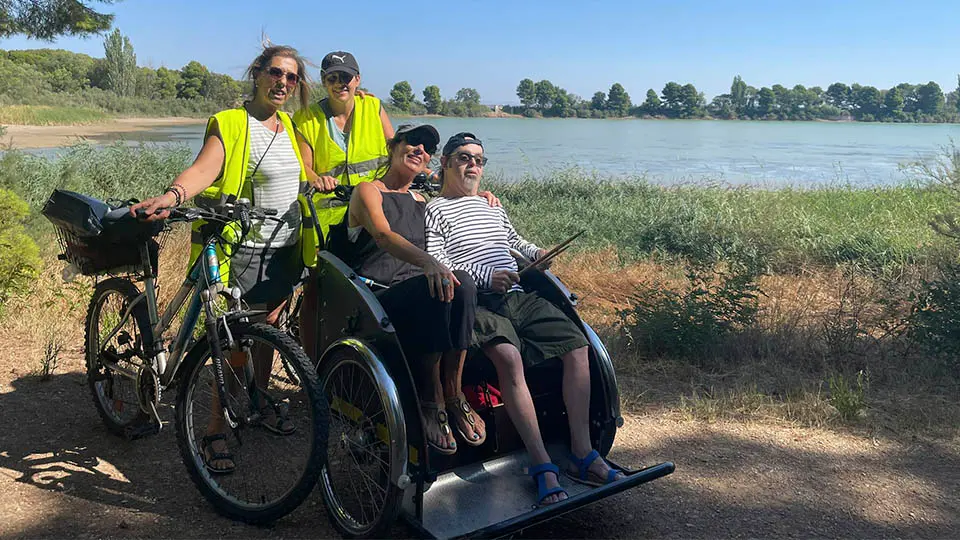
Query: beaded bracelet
[[176, 193], [183, 192]]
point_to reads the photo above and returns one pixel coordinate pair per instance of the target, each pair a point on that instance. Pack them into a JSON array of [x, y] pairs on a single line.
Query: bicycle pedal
[[132, 433]]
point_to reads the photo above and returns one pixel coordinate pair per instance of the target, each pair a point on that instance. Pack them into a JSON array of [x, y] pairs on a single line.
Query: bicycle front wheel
[[264, 467]]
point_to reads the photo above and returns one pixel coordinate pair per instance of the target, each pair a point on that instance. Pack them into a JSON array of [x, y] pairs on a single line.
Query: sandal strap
[[207, 439], [543, 468], [440, 414], [216, 456], [583, 465], [462, 406]]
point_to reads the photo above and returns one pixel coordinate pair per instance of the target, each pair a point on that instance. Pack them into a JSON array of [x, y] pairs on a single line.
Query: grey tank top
[[404, 213]]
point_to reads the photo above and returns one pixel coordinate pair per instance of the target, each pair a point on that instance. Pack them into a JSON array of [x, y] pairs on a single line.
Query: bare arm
[[366, 210], [196, 178], [325, 184], [387, 126]]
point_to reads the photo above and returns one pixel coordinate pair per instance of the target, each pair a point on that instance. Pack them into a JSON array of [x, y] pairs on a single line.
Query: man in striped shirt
[[513, 328]]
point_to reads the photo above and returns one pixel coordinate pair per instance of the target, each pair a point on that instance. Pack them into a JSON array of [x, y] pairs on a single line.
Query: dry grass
[[811, 327]]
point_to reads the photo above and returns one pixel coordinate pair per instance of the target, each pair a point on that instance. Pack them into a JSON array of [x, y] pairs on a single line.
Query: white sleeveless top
[[276, 184]]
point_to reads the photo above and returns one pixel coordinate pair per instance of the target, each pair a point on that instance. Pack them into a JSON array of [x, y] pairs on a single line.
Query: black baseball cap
[[339, 61], [459, 140], [429, 136]]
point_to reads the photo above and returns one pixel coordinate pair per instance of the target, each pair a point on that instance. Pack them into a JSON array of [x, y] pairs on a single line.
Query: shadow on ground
[[62, 474]]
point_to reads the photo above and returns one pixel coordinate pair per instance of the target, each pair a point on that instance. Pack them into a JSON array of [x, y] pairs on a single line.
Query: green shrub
[[848, 397], [714, 306], [19, 256]]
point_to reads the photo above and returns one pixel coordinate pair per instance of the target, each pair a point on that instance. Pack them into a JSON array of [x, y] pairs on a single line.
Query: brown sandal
[[440, 415], [458, 405]]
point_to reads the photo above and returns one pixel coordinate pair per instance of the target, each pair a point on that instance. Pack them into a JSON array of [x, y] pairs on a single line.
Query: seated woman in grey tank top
[[432, 308]]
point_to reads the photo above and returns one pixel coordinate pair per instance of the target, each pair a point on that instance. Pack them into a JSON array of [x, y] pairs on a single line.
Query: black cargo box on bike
[[96, 237]]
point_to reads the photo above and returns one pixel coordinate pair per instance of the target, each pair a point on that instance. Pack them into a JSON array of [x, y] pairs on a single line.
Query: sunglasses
[[290, 77], [338, 76], [421, 139], [464, 158]]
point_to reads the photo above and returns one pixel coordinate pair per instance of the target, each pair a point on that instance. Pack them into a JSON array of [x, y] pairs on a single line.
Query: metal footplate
[[496, 498]]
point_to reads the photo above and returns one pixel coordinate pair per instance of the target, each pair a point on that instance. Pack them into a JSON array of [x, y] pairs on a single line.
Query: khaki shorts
[[537, 328]]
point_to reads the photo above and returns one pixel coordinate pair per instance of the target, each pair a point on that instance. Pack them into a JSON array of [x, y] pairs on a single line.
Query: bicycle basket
[[96, 238]]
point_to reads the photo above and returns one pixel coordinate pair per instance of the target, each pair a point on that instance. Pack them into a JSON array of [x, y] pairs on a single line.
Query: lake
[[691, 151]]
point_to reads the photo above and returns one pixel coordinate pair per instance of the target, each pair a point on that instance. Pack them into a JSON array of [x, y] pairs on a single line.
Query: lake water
[[733, 152]]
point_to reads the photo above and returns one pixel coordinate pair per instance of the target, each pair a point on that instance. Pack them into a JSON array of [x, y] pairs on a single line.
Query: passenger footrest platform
[[497, 497]]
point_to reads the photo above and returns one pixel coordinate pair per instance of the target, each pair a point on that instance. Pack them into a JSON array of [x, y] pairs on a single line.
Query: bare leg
[[431, 390], [452, 386], [516, 398], [576, 397]]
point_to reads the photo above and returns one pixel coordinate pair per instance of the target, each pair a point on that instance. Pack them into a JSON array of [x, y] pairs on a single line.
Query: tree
[[930, 98], [765, 101], [618, 100], [672, 99], [432, 100], [544, 92], [838, 95], [402, 96], [527, 92], [599, 101], [121, 64], [192, 78], [222, 90], [868, 101], [893, 103], [738, 96], [693, 101], [166, 83], [468, 96], [47, 19], [652, 104]]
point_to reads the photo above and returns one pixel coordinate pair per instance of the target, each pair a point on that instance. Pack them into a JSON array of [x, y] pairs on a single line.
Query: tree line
[[58, 77], [903, 103]]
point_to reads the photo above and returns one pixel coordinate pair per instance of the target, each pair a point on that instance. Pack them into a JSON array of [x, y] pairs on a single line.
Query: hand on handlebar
[[503, 280], [324, 184], [440, 281], [155, 208]]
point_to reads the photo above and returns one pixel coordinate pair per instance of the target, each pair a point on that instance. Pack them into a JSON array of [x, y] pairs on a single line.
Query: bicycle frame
[[203, 281]]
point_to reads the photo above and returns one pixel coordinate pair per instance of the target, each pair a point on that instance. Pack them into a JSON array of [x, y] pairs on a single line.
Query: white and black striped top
[[276, 184], [466, 233]]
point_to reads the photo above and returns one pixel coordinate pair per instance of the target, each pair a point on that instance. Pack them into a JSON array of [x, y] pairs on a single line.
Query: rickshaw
[[378, 468]]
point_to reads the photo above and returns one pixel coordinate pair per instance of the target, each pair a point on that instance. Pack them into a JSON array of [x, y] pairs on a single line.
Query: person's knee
[[467, 290], [507, 360], [576, 358]]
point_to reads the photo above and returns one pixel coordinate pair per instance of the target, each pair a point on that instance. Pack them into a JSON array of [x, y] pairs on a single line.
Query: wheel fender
[[395, 420]]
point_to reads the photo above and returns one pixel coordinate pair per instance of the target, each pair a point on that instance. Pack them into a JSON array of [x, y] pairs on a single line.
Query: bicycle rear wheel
[[115, 394], [279, 443]]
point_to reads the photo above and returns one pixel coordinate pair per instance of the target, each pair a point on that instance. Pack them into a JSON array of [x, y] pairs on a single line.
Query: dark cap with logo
[[339, 61], [459, 140]]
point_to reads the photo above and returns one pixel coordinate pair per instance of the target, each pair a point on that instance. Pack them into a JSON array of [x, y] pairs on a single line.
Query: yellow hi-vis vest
[[232, 184], [366, 152]]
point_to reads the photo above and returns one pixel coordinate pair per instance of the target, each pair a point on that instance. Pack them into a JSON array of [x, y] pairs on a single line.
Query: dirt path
[[54, 136], [62, 475]]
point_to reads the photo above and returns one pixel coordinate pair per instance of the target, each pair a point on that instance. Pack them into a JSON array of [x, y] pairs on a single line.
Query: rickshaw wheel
[[359, 496]]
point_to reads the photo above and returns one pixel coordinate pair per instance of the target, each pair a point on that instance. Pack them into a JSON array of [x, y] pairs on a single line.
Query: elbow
[[382, 239]]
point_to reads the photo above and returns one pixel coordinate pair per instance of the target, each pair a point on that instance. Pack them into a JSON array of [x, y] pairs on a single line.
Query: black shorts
[[536, 327], [266, 275]]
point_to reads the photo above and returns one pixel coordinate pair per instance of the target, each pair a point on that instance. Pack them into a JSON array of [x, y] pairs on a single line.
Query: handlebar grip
[[269, 211]]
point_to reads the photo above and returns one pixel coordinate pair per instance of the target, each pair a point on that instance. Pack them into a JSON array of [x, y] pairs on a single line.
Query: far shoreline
[[22, 137]]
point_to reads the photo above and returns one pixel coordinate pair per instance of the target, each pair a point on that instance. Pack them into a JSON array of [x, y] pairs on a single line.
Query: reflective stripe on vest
[[366, 151]]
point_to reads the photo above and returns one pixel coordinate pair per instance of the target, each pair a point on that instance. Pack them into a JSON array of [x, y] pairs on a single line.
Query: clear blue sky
[[580, 46]]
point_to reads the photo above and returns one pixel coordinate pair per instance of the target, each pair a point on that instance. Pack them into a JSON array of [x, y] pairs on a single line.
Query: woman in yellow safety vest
[[251, 152], [343, 141]]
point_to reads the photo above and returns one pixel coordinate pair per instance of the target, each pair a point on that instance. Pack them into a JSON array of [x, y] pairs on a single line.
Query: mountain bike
[[240, 382]]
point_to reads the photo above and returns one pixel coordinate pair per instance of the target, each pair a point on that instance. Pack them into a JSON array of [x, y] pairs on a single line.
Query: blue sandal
[[536, 472], [584, 474]]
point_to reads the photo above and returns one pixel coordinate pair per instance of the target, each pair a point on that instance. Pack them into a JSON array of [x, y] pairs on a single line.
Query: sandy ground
[[62, 475], [54, 136]]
